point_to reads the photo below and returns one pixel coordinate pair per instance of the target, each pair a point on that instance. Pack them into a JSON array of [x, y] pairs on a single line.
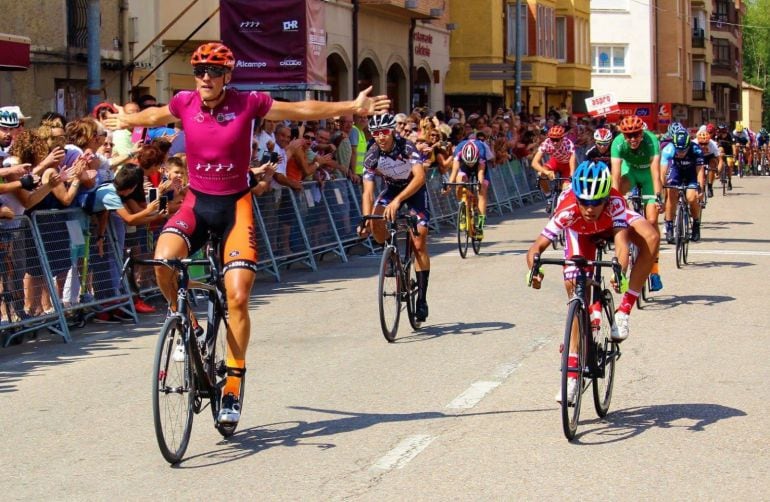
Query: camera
[[271, 157], [163, 203], [152, 194]]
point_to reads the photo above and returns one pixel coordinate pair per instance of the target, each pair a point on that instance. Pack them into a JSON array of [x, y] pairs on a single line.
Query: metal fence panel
[[316, 217], [506, 171], [280, 215], [497, 186], [21, 261]]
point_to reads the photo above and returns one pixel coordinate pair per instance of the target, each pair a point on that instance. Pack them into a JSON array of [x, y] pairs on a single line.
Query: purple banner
[[275, 42]]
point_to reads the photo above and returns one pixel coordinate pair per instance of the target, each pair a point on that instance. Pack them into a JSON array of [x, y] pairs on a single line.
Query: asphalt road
[[463, 409]]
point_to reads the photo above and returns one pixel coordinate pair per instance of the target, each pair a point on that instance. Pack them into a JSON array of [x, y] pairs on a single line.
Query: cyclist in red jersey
[[561, 161], [591, 209], [218, 124]]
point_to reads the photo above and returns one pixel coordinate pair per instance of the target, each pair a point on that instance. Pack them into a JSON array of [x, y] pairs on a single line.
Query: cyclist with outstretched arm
[[218, 124]]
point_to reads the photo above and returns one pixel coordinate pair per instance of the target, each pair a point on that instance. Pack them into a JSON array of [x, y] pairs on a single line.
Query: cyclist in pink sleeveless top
[[218, 124]]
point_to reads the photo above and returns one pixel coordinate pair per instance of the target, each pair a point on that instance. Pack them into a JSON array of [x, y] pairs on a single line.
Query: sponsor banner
[[276, 42], [602, 105], [646, 111]]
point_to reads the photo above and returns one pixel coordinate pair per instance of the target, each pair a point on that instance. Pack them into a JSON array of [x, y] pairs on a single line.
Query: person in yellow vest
[[358, 142]]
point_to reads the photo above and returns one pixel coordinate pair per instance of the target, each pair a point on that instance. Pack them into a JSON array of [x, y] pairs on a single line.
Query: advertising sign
[[276, 42], [646, 111], [601, 105]]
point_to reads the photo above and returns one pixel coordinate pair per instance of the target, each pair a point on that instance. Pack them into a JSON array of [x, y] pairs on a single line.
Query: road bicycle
[[636, 200], [552, 202], [723, 179], [189, 372], [593, 362], [740, 161], [681, 224], [467, 216], [397, 278]]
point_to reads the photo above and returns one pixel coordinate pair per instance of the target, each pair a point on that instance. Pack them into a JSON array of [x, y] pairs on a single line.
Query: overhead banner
[[276, 42]]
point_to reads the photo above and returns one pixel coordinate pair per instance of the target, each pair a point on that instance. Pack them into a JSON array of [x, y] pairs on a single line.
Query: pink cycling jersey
[[218, 141], [560, 150]]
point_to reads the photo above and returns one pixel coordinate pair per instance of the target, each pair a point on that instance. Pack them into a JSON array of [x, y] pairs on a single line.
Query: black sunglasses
[[213, 71]]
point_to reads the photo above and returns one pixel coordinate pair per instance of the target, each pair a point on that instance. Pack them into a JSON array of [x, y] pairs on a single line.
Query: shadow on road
[[624, 424], [731, 264], [301, 433], [459, 328], [669, 302]]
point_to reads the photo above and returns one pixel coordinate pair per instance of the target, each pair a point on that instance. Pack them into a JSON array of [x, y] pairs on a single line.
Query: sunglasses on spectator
[[591, 203], [213, 71], [308, 136], [632, 135], [381, 132]]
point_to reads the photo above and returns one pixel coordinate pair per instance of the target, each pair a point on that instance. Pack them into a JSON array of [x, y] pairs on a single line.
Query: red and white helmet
[[603, 136]]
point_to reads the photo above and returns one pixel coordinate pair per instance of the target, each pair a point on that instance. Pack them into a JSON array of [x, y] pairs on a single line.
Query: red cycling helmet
[[213, 53], [556, 132], [631, 124]]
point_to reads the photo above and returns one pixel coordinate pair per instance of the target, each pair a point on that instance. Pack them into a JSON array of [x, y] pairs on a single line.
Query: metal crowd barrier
[[54, 256]]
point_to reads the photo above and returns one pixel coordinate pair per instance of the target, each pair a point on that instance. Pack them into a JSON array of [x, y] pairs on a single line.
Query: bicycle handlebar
[[577, 261], [445, 184], [411, 220]]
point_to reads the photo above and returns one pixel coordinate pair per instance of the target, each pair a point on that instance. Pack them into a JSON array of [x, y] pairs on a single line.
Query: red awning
[[14, 52]]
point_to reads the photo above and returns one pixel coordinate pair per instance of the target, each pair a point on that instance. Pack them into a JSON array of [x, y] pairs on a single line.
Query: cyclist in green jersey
[[635, 158]]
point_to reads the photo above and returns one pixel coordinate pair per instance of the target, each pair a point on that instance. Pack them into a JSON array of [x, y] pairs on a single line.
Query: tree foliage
[[756, 48]]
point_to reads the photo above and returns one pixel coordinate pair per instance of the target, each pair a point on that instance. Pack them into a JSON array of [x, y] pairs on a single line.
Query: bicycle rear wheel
[[679, 235], [475, 242], [576, 324], [410, 294], [216, 367], [686, 236], [173, 391], [463, 235], [389, 293], [606, 354]]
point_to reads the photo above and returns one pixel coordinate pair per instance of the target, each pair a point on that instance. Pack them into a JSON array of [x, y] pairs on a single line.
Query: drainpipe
[[122, 32], [94, 56], [519, 55], [411, 72], [354, 56]]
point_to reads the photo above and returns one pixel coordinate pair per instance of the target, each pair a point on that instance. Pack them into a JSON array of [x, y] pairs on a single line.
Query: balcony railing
[[698, 90], [698, 39]]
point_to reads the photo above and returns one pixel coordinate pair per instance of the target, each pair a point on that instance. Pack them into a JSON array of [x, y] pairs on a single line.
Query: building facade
[[727, 67], [57, 77], [554, 37], [400, 48]]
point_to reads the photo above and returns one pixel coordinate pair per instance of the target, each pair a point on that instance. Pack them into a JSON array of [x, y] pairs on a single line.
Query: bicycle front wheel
[[173, 391], [686, 237], [462, 229], [606, 354], [475, 243], [389, 293], [679, 234], [572, 368]]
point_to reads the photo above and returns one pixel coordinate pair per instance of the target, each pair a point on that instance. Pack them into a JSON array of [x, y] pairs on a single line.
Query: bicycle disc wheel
[[475, 242], [389, 294], [410, 294], [606, 354], [462, 234], [173, 392], [570, 412]]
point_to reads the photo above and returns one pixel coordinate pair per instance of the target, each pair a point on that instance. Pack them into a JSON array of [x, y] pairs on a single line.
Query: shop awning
[[14, 52]]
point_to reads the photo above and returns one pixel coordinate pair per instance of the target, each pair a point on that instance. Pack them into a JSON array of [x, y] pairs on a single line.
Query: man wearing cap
[[11, 124]]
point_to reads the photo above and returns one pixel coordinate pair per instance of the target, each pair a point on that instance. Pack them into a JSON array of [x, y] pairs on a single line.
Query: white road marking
[[738, 252], [472, 395], [405, 451]]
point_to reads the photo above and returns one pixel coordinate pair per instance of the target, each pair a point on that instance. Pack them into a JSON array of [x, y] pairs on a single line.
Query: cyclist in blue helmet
[[682, 164]]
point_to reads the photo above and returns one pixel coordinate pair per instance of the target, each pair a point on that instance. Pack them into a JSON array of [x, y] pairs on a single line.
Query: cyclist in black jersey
[[725, 142], [400, 165], [601, 149]]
